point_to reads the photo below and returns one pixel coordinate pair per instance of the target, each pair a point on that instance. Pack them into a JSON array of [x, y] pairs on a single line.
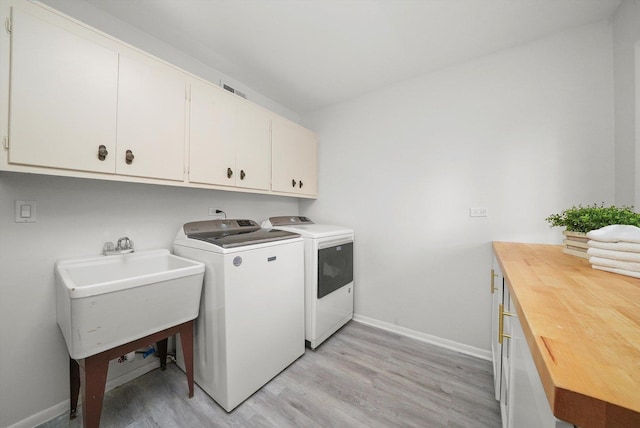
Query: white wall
[[75, 217], [626, 34], [525, 132]]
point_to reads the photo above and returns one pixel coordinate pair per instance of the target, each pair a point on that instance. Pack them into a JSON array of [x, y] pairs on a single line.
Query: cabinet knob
[[242, 174], [301, 184], [102, 152], [293, 182], [229, 172], [129, 157]]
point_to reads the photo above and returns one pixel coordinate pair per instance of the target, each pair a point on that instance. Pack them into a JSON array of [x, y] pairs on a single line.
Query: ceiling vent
[[232, 90]]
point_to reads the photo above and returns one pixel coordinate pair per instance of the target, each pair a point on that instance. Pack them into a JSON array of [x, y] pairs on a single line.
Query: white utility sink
[[106, 301]]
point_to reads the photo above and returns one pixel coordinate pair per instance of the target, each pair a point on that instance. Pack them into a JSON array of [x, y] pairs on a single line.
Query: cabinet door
[[151, 119], [253, 148], [506, 379], [284, 174], [497, 285], [63, 96], [308, 163], [529, 405], [294, 158], [211, 141]]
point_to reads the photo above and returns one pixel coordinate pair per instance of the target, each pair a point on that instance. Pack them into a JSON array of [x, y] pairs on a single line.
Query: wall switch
[[25, 211], [479, 212]]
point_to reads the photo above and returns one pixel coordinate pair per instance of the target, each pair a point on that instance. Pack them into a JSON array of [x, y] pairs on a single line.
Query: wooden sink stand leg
[[88, 376]]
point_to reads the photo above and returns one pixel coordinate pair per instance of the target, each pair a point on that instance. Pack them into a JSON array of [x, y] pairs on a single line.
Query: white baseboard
[[43, 416], [423, 337], [63, 407]]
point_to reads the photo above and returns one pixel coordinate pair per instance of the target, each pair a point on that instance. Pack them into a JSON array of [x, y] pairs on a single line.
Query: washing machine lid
[[233, 233]]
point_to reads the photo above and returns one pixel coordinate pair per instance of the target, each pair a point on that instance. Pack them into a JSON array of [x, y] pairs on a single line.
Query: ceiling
[[307, 54]]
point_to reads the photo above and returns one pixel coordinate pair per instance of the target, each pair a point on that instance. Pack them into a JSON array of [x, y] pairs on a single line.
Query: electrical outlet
[[216, 216], [479, 212]]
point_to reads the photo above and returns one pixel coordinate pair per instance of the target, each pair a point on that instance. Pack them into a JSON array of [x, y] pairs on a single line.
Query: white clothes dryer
[[251, 322], [328, 265]]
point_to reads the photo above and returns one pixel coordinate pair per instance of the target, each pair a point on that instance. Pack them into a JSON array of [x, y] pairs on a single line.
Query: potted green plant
[[582, 219]]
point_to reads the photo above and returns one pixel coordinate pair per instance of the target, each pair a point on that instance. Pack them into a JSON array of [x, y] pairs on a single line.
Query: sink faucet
[[124, 246]]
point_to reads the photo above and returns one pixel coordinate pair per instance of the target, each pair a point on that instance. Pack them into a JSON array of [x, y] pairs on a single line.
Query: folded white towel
[[618, 271], [616, 264], [624, 256], [616, 233], [615, 246]]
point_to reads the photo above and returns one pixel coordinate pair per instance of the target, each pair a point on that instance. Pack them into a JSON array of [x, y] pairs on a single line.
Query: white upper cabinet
[[78, 105], [295, 158], [63, 96], [83, 104], [151, 119], [230, 140], [253, 148], [211, 141]]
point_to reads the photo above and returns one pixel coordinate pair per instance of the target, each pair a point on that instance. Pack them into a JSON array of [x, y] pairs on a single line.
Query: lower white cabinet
[[497, 287], [529, 407], [506, 368], [523, 402]]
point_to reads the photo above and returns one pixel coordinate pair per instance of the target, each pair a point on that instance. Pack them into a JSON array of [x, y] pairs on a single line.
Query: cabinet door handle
[[301, 184], [129, 157], [502, 314], [293, 182], [242, 174], [102, 152], [493, 276], [229, 172]]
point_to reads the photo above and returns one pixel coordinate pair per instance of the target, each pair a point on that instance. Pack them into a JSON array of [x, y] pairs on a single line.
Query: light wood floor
[[360, 377]]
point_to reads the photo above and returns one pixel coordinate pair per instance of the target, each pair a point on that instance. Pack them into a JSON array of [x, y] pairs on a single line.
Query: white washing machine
[[328, 263], [251, 322]]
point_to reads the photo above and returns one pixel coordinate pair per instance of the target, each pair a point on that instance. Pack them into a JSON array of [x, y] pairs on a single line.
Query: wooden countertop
[[583, 329]]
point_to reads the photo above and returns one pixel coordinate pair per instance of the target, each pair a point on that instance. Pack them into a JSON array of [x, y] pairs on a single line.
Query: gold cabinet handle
[[493, 276], [502, 314]]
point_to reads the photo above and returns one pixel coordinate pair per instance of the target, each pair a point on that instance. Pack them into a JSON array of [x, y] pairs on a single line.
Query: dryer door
[[335, 267]]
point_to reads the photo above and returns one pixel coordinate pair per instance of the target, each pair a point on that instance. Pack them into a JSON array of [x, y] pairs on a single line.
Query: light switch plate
[[479, 212], [25, 211]]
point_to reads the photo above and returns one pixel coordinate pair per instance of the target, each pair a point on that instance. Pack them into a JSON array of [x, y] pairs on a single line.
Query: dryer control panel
[[288, 220]]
